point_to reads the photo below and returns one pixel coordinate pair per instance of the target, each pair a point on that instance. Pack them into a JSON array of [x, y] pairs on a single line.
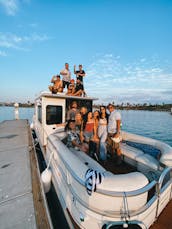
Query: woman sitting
[[71, 88], [73, 139]]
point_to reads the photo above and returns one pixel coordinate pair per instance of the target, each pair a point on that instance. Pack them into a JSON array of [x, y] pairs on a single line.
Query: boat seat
[[60, 133], [130, 153], [147, 164]]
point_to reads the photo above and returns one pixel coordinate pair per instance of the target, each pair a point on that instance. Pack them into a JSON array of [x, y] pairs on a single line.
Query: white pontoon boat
[[132, 195]]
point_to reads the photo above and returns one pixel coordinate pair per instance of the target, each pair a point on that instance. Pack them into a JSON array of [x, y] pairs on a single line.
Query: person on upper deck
[[114, 124], [57, 85], [80, 75], [66, 75], [71, 87], [79, 89]]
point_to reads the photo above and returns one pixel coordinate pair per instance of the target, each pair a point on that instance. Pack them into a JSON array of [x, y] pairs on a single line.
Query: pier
[[22, 201]]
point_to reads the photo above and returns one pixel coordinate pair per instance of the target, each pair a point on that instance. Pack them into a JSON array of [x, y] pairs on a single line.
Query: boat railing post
[[16, 111], [159, 187], [158, 196]]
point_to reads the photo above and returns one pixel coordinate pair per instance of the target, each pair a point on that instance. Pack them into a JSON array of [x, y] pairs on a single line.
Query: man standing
[[114, 123], [80, 75], [66, 75]]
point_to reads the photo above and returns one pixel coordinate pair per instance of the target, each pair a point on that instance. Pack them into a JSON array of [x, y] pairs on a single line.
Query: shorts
[[65, 83]]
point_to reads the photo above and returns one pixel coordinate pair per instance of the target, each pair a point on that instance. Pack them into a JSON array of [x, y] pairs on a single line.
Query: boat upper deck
[[64, 96]]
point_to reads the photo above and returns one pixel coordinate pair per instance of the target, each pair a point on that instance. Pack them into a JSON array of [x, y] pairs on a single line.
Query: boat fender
[[92, 179], [46, 176]]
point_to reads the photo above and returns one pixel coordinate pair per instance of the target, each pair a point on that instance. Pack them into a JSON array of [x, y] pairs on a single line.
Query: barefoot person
[[57, 85]]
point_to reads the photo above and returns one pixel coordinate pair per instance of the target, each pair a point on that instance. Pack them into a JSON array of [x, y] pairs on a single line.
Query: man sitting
[[57, 85], [78, 88]]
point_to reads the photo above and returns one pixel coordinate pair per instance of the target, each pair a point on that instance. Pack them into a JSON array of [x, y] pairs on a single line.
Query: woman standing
[[102, 133], [89, 127]]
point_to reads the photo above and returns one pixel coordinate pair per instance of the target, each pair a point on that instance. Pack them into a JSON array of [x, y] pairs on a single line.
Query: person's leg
[[50, 88], [110, 145], [118, 153], [78, 93], [60, 89], [103, 150]]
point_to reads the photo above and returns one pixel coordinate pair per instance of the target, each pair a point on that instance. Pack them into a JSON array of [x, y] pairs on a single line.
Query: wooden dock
[[22, 201]]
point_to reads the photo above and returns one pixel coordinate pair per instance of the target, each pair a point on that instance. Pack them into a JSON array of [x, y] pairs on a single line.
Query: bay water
[[153, 124]]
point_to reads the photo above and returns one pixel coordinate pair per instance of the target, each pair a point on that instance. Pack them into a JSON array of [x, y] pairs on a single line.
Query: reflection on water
[[152, 124]]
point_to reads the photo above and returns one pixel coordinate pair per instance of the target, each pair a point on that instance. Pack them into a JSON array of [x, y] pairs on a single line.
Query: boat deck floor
[[115, 168]]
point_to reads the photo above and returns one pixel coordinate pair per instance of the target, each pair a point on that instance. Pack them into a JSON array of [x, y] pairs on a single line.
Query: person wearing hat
[[57, 85], [113, 139]]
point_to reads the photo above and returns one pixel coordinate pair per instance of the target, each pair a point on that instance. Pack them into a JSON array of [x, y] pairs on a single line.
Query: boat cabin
[[51, 112]]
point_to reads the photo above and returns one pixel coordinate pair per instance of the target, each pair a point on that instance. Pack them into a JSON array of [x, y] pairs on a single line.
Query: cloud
[[2, 53], [8, 40], [108, 78], [12, 6]]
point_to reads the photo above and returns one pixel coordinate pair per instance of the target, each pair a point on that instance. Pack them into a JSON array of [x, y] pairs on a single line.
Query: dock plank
[[20, 205]]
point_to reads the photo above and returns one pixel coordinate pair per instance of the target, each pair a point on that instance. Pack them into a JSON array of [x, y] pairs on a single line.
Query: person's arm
[[52, 80], [63, 73], [118, 125], [82, 74], [75, 69], [74, 143]]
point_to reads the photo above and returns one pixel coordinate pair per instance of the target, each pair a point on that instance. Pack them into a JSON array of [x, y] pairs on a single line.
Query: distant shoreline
[[145, 107]]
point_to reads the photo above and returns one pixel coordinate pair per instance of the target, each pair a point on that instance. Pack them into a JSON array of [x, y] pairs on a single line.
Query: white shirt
[[114, 116], [66, 77]]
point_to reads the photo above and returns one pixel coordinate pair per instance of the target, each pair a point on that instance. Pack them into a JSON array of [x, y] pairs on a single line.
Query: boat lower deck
[[114, 167]]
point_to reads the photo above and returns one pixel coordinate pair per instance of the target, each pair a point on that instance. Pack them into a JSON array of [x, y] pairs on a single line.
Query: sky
[[125, 47]]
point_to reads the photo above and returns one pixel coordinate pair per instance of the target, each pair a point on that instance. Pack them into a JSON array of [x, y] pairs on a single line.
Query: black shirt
[[79, 87], [79, 76]]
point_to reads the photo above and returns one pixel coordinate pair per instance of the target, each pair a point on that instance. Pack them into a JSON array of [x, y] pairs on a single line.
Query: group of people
[[95, 133], [73, 88]]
